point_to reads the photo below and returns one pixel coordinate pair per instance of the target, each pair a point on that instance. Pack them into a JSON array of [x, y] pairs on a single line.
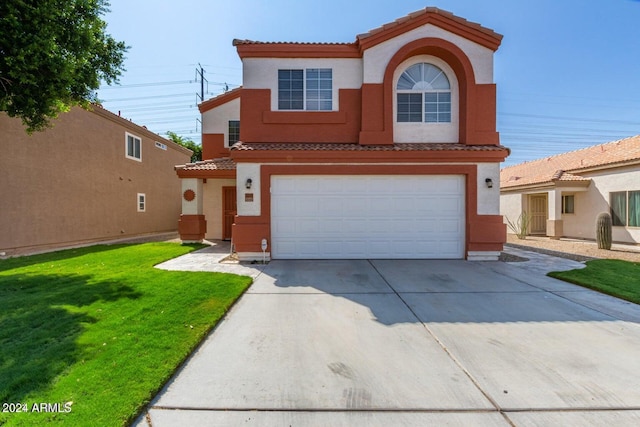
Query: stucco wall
[[596, 200], [73, 184], [262, 73], [376, 58], [511, 206], [213, 206], [217, 119]]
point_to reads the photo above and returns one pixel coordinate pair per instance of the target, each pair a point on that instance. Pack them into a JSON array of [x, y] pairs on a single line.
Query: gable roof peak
[[438, 17]]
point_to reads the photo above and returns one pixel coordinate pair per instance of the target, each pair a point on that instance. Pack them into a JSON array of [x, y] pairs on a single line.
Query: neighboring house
[[93, 176], [564, 194], [381, 148]]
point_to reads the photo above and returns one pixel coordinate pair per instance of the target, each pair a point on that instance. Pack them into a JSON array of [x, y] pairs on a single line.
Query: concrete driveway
[[412, 343]]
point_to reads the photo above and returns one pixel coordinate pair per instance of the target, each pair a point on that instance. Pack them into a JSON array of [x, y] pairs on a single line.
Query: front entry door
[[229, 211], [538, 209]]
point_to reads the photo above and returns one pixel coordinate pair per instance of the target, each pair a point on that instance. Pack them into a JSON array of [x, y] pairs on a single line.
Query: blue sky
[[568, 71]]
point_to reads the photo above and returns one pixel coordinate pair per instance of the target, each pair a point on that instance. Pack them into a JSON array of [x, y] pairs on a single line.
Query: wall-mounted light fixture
[[248, 183], [489, 182]]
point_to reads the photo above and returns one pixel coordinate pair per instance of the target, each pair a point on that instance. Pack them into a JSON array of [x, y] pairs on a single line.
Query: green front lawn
[[614, 277], [100, 327]]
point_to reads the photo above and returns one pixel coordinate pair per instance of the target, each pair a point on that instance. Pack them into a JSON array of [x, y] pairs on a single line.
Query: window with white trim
[[133, 147], [423, 95], [568, 204], [142, 202], [310, 89]]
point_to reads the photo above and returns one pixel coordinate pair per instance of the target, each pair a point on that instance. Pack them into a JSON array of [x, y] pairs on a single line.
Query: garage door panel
[[367, 216]]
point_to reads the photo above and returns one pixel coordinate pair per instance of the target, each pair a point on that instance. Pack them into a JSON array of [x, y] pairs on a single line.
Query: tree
[[53, 55], [187, 143]]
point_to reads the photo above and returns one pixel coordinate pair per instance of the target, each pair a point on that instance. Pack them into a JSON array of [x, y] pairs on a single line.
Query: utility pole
[[200, 75]]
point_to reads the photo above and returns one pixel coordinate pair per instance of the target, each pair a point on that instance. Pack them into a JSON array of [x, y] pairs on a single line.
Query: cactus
[[603, 231]]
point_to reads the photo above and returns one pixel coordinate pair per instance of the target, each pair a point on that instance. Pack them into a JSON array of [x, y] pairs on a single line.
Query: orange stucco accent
[[192, 227], [295, 126], [213, 146], [340, 156], [483, 232], [477, 103]]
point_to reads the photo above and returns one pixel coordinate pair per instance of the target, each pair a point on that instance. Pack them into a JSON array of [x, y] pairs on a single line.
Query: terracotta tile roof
[[240, 42], [209, 165], [432, 10], [287, 146], [568, 166]]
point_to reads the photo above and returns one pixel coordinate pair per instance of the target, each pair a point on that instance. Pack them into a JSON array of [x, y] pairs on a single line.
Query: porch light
[[489, 182], [248, 183]]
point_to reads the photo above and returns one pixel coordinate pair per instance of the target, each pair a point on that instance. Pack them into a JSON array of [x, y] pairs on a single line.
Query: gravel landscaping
[[578, 250]]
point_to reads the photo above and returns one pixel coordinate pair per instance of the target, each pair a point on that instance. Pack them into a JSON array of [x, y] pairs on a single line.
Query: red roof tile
[[209, 165], [286, 146], [568, 166]]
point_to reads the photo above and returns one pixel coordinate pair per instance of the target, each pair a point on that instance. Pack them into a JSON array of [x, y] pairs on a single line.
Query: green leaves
[[53, 55]]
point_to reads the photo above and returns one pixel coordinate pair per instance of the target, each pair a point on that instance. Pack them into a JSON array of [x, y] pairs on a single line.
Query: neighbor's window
[[568, 204], [310, 89], [133, 147], [424, 95], [142, 202], [234, 132], [625, 208]]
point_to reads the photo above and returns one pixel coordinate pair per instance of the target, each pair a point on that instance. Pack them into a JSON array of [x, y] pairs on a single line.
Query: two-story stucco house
[[381, 148], [93, 176]]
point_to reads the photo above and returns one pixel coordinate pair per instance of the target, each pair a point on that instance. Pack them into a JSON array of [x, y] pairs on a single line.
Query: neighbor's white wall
[[511, 206], [243, 172], [212, 205], [262, 73], [596, 200], [428, 132], [375, 59], [217, 119], [488, 198]]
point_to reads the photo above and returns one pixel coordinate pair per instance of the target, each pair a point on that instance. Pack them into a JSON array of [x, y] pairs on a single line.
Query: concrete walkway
[[411, 343]]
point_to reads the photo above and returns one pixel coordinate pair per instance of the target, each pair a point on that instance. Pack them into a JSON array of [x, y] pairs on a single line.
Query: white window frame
[[141, 202], [306, 90], [126, 146], [424, 89], [229, 143]]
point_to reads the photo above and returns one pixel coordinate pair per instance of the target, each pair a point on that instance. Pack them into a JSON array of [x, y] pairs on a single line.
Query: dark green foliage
[[187, 143], [53, 55], [604, 231]]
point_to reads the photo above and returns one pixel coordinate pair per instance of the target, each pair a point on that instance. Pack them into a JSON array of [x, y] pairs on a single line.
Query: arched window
[[424, 95]]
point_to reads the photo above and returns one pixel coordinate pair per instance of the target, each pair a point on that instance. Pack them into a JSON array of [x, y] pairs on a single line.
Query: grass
[[100, 327], [614, 277]]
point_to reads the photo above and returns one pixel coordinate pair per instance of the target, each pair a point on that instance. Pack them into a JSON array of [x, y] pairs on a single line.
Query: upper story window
[[133, 146], [424, 95], [310, 89], [234, 132]]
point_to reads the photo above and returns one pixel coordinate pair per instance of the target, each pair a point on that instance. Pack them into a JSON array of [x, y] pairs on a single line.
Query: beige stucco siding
[[73, 183], [213, 205], [596, 200]]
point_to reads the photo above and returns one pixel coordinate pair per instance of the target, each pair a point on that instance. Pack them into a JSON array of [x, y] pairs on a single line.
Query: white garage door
[[367, 216]]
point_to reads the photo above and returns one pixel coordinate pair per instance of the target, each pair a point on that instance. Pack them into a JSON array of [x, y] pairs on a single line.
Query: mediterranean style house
[[93, 176], [381, 148], [564, 194]]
